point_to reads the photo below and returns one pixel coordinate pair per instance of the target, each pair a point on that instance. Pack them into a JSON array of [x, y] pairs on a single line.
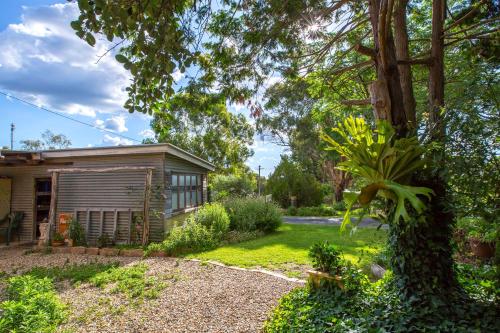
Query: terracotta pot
[[482, 249], [57, 243], [316, 277]]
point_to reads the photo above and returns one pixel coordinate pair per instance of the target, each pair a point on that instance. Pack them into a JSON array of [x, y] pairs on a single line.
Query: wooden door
[[5, 196]]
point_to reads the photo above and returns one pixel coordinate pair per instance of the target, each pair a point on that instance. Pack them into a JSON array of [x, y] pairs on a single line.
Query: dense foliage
[[232, 185], [253, 214], [77, 233], [288, 179], [202, 125], [326, 258], [201, 231], [378, 307], [214, 218], [322, 210], [32, 305]]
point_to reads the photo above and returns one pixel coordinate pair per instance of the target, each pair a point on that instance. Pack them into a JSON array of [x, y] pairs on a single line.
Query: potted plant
[[58, 239], [482, 245], [327, 264], [480, 234], [76, 233]]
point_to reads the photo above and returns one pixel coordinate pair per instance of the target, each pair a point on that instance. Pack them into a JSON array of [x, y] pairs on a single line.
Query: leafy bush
[[191, 237], [311, 211], [326, 258], [104, 241], [77, 233], [480, 282], [376, 307], [224, 186], [32, 306], [478, 228], [250, 214], [58, 237], [215, 218], [289, 180]]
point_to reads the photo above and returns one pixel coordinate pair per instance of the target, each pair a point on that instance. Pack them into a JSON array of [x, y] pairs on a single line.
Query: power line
[[67, 117]]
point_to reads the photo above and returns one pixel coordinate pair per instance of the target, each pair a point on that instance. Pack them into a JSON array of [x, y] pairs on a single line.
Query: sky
[[44, 63]]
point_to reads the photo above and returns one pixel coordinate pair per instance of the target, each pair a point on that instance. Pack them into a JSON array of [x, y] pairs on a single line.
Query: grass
[[289, 247], [131, 281], [74, 273]]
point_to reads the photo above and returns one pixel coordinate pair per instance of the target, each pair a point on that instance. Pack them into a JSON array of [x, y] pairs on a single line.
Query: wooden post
[[147, 197], [53, 206]]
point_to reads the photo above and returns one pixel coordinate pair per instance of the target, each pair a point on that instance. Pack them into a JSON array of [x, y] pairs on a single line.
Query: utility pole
[[258, 181], [12, 128]]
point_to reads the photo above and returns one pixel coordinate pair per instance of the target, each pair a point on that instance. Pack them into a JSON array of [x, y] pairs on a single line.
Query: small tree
[[49, 141]]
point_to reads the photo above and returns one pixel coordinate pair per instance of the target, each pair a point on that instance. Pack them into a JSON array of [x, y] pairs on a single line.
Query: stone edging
[[258, 270]]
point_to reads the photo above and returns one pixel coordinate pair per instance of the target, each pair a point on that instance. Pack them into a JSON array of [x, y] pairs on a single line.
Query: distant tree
[[49, 141], [289, 179]]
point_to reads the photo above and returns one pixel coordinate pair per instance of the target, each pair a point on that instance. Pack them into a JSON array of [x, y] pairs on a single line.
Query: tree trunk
[[421, 261], [402, 53], [387, 89]]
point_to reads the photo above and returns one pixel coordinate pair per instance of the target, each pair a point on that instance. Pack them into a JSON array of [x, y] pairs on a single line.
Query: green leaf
[[90, 39], [121, 58]]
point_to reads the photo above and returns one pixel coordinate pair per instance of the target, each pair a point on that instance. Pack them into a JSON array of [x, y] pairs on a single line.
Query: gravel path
[[203, 297]]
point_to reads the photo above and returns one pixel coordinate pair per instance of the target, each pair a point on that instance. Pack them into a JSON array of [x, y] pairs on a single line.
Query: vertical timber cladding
[[122, 191]]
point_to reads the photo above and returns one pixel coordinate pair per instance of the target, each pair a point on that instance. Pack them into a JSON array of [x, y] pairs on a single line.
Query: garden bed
[[196, 296]]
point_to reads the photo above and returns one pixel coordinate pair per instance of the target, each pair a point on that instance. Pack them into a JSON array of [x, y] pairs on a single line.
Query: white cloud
[[177, 75], [116, 140], [115, 124], [43, 61], [147, 133], [262, 146]]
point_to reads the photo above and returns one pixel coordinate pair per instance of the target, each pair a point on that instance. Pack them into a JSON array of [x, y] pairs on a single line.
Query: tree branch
[[351, 102], [421, 61], [365, 50]]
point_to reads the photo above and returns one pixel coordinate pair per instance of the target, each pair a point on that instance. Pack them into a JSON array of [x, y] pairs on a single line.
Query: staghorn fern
[[385, 163]]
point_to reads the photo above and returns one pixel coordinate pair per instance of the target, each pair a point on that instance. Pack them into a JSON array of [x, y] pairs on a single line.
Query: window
[[187, 191]]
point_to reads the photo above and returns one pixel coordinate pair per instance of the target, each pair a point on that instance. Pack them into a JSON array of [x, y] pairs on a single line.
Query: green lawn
[[287, 248]]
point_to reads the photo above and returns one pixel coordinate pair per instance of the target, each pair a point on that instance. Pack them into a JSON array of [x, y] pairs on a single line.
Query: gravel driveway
[[205, 297]]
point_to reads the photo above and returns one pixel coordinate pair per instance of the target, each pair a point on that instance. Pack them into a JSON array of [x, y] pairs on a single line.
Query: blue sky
[[43, 62]]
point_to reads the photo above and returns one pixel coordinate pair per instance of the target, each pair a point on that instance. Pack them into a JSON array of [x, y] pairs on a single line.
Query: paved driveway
[[367, 222]]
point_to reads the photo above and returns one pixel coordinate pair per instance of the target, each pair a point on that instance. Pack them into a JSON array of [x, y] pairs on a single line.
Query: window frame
[[187, 190]]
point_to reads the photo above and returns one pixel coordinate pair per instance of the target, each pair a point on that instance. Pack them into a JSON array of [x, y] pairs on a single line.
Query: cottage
[[107, 189]]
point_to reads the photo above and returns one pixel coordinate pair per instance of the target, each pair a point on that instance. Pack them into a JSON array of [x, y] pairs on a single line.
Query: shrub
[[215, 218], [191, 237], [250, 214], [326, 258], [77, 233], [376, 307], [289, 180], [478, 228], [311, 211], [224, 186], [32, 306], [74, 273]]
